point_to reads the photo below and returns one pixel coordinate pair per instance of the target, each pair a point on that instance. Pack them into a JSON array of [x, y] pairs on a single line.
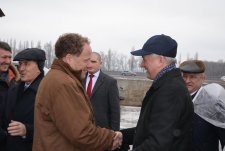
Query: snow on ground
[[129, 116]]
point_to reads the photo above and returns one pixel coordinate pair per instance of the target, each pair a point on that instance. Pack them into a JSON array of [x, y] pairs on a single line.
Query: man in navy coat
[[165, 122]]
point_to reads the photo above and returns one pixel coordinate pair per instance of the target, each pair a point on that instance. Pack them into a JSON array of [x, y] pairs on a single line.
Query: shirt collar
[[96, 74]]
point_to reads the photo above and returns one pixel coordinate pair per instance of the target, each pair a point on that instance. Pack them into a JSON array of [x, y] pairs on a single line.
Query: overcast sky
[[197, 25]]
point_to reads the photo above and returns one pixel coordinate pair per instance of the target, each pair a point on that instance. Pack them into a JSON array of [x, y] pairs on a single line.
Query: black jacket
[[165, 122], [20, 107], [10, 78], [206, 136]]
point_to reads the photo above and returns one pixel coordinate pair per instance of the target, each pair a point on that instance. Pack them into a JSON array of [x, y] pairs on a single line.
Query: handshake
[[123, 139], [117, 140]]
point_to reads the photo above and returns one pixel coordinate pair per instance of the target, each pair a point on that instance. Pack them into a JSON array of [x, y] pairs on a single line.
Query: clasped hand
[[117, 140], [16, 128]]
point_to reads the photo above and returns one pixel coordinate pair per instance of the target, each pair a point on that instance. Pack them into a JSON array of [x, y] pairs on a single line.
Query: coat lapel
[[98, 83]]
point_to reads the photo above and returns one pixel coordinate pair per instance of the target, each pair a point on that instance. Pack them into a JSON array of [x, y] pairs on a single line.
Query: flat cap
[[30, 54], [192, 66], [159, 44]]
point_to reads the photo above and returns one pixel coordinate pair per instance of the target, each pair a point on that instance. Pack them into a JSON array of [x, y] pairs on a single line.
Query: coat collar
[[98, 83], [34, 85], [65, 67], [173, 73], [13, 73]]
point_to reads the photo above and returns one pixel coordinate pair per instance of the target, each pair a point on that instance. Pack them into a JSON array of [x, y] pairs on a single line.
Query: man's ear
[[67, 58]]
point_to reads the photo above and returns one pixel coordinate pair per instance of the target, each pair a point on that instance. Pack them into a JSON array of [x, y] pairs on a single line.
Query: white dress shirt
[[94, 79]]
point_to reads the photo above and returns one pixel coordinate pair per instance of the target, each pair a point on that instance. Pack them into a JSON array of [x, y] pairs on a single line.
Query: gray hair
[[169, 60]]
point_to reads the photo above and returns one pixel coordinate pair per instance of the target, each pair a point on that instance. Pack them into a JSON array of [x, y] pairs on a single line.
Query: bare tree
[[39, 44], [196, 56], [109, 59], [132, 61], [48, 51]]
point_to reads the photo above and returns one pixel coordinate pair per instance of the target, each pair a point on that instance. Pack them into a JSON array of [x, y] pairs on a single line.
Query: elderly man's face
[[29, 70], [5, 60], [193, 81], [153, 65]]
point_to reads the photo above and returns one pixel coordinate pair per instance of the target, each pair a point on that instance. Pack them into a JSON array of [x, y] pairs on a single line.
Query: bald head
[[97, 55]]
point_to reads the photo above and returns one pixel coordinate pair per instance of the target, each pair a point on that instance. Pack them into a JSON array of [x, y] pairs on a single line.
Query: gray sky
[[197, 25]]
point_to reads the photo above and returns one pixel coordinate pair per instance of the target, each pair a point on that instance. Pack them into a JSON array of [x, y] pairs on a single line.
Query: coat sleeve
[[128, 135], [114, 106], [73, 118], [30, 132], [162, 120]]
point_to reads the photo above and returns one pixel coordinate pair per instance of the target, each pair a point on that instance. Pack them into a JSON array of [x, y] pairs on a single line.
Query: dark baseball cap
[[192, 66], [160, 45], [35, 54]]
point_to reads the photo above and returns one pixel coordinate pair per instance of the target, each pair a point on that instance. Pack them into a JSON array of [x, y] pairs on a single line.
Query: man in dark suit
[[165, 122], [103, 93], [206, 136]]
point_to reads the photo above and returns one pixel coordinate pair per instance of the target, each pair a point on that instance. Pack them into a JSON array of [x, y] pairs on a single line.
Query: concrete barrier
[[132, 90]]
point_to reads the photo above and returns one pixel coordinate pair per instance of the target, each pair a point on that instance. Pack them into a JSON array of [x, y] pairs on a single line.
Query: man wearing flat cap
[[20, 101], [193, 74], [206, 136], [165, 122]]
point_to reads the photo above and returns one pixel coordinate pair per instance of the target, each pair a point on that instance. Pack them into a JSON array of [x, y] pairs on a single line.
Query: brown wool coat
[[63, 115]]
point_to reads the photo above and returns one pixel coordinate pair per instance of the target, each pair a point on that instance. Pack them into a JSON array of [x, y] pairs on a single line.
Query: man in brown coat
[[64, 118]]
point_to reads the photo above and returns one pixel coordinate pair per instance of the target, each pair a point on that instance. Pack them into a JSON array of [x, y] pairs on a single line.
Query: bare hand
[[16, 128], [117, 140]]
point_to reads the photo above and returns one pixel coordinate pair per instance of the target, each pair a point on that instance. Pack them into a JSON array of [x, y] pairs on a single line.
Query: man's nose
[[187, 79]]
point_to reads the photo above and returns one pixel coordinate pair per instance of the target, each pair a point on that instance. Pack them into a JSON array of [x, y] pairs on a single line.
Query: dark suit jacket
[[105, 102], [165, 122]]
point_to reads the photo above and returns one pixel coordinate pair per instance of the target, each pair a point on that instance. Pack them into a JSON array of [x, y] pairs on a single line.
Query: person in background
[[19, 113], [165, 121], [104, 94], [64, 117], [9, 76], [206, 136]]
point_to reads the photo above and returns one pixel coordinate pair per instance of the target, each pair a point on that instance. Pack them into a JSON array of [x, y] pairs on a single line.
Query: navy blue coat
[[20, 107], [165, 122], [206, 136]]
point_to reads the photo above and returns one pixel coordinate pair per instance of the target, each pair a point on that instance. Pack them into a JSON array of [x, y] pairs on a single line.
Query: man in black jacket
[[165, 122], [9, 76], [19, 115]]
